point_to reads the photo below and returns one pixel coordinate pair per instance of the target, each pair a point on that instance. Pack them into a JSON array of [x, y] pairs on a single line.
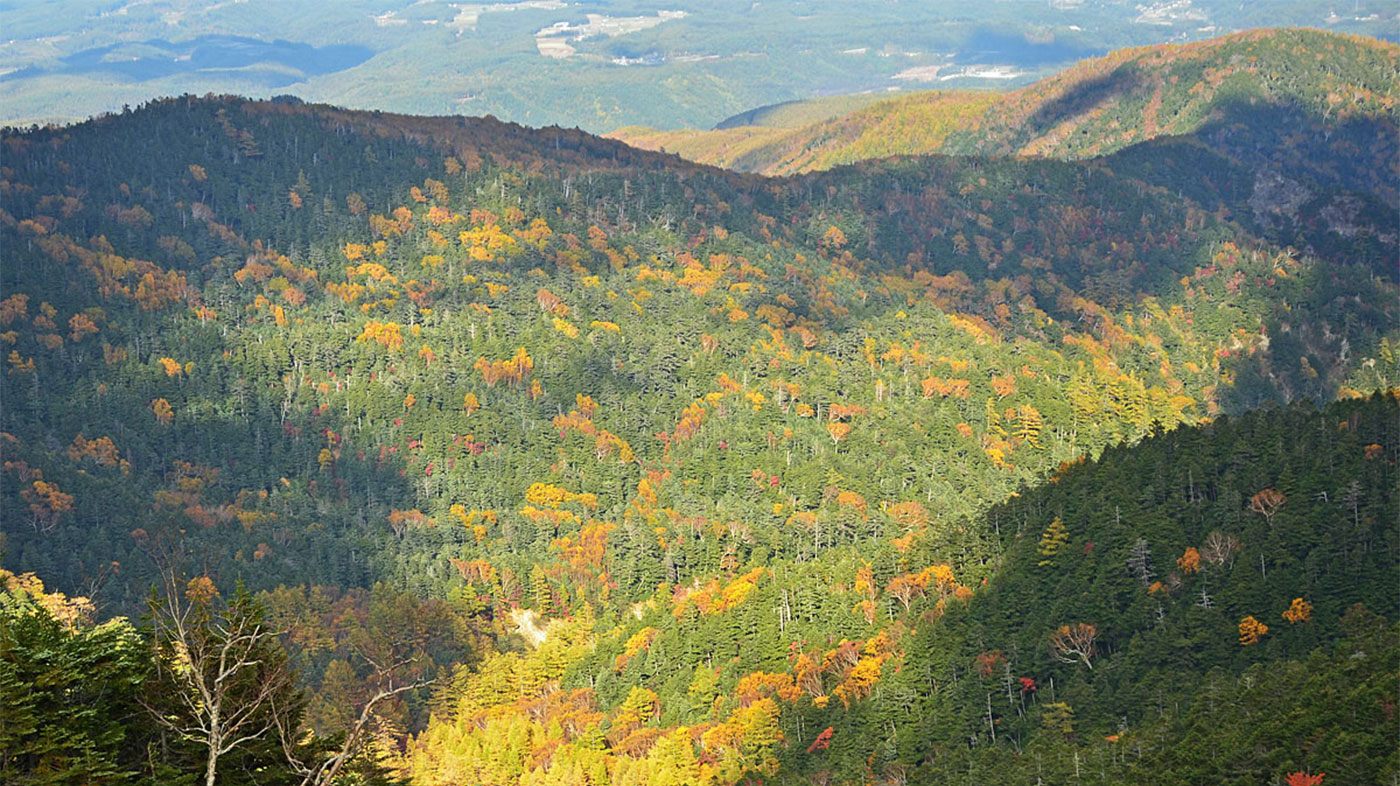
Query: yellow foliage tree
[[838, 432], [1052, 542], [1251, 631], [1298, 611]]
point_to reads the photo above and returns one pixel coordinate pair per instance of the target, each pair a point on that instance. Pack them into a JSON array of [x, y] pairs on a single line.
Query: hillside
[[619, 442], [732, 139], [904, 125], [1128, 610], [1095, 108], [1274, 128], [795, 114], [1302, 150]]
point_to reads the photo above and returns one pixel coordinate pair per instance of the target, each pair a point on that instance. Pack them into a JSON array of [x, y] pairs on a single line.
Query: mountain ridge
[[997, 124], [1266, 141]]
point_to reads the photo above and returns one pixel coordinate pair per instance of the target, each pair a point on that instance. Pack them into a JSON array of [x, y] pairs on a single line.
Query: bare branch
[[1074, 643], [223, 661], [384, 675]]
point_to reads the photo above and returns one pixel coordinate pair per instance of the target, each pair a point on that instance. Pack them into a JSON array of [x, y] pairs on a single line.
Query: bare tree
[[226, 678], [1074, 643], [1267, 504], [1205, 601], [1220, 549], [1140, 562]]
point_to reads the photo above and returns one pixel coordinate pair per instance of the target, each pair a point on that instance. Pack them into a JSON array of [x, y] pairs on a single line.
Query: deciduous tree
[[1074, 643], [222, 676]]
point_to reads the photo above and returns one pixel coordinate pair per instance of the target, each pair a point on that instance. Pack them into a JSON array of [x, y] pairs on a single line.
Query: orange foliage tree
[[1267, 503], [1074, 643], [47, 504], [1189, 562], [1251, 631], [1298, 611], [513, 371]]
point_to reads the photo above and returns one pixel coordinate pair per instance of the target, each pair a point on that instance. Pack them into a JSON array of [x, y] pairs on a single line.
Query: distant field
[[596, 64]]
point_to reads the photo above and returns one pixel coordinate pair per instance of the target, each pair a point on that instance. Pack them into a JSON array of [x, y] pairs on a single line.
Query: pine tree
[[1052, 542], [541, 591]]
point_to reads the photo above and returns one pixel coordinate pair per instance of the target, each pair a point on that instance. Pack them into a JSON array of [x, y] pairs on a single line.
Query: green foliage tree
[[68, 690]]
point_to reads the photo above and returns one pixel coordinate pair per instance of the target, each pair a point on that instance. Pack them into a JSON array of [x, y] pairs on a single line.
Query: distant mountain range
[[594, 64]]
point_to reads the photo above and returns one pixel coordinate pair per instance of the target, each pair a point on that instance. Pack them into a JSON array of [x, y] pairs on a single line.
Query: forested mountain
[[660, 473], [1097, 107], [1294, 131]]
